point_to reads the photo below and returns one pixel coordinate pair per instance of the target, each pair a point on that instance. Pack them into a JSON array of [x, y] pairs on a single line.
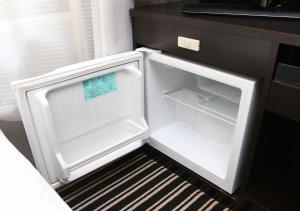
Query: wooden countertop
[[286, 31]]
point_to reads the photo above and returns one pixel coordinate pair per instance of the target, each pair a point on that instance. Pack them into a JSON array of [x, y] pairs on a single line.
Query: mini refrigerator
[[83, 116]]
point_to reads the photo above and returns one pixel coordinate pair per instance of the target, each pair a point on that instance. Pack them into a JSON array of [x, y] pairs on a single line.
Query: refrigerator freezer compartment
[[185, 141], [206, 102], [100, 141]]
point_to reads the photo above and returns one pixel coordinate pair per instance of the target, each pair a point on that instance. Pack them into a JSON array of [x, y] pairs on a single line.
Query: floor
[[148, 180], [277, 192]]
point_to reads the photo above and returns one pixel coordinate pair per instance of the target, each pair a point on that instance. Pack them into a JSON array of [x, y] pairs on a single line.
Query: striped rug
[[139, 181]]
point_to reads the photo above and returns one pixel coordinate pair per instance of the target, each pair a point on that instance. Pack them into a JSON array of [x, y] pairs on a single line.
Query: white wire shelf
[[203, 101], [225, 91]]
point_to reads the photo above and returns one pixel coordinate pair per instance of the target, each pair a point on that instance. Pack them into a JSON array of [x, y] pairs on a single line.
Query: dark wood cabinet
[[227, 50], [247, 46]]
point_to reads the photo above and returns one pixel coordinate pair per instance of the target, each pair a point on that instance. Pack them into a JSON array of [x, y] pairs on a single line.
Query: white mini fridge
[[83, 116]]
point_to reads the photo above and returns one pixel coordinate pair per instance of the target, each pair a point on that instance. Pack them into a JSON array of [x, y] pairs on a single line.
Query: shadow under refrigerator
[[83, 116]]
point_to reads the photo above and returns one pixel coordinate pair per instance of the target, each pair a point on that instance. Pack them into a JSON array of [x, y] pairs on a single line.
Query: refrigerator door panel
[[82, 116]]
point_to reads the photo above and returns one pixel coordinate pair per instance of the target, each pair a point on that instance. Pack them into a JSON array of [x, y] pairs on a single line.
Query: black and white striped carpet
[[140, 181]]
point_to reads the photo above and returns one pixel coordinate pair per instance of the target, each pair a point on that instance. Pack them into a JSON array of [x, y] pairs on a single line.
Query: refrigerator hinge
[[147, 50]]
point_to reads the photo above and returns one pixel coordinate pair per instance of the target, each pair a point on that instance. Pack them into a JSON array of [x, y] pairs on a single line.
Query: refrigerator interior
[[192, 115]]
